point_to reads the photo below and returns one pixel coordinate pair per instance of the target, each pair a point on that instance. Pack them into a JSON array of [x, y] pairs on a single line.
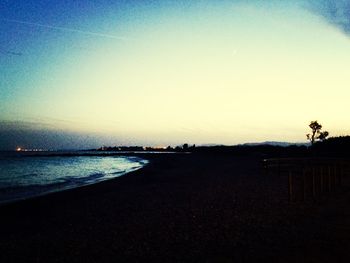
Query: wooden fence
[[309, 177]]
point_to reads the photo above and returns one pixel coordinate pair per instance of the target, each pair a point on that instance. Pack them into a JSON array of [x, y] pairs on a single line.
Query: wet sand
[[179, 208]]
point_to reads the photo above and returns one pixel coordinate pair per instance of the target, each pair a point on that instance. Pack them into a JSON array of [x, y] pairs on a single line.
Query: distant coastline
[[37, 175]]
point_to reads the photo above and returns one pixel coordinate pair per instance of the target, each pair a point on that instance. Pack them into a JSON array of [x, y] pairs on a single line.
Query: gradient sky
[[76, 74]]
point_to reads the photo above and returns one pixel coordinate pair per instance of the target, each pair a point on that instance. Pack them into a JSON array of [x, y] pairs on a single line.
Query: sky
[[81, 74]]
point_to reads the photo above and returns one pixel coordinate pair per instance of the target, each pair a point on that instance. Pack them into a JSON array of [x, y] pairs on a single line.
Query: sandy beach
[[179, 208]]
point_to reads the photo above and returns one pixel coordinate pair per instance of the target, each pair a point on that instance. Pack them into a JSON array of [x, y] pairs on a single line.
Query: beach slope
[[179, 208]]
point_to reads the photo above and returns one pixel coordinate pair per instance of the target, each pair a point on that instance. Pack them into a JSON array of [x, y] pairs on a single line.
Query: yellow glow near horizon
[[220, 79]]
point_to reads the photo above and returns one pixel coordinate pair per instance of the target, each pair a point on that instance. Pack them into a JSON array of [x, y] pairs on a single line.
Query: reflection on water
[[22, 177]]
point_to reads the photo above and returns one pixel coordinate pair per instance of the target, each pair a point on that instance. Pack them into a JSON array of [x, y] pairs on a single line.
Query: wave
[[28, 177]]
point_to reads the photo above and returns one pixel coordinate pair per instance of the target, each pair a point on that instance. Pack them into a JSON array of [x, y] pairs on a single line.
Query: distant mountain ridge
[[274, 143], [270, 143]]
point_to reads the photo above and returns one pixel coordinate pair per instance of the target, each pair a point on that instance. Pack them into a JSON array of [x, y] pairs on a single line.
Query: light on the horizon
[[219, 73]]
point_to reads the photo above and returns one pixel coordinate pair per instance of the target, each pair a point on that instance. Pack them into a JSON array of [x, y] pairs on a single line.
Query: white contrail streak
[[7, 52], [65, 29]]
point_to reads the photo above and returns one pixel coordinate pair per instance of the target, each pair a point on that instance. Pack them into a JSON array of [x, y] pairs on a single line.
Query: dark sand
[[180, 208]]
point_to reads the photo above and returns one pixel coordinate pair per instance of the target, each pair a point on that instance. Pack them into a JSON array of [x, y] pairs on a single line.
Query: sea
[[25, 175]]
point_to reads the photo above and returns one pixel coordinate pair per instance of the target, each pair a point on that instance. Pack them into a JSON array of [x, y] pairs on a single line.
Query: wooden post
[[313, 183], [304, 184], [341, 173], [329, 179], [290, 185], [322, 179], [335, 176]]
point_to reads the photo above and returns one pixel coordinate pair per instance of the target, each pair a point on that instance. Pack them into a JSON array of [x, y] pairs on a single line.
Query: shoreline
[[45, 189], [177, 208], [61, 190]]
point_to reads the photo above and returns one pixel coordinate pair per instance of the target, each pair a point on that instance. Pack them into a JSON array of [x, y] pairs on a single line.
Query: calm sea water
[[26, 176]]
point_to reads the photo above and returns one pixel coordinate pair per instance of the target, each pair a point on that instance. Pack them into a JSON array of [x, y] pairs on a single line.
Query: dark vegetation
[[316, 133], [320, 146], [333, 146]]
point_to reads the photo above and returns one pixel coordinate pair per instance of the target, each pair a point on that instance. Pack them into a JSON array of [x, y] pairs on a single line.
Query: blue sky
[[87, 73]]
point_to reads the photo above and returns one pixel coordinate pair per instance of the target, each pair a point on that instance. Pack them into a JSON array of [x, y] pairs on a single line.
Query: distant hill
[[270, 143], [274, 143]]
